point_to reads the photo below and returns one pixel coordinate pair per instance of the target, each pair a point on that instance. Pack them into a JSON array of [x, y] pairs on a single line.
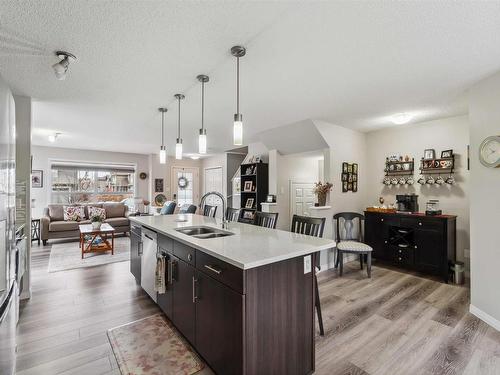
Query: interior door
[[213, 181], [185, 185], [301, 198]]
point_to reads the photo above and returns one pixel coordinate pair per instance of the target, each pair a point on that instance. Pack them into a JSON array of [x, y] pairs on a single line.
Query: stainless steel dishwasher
[[148, 262]]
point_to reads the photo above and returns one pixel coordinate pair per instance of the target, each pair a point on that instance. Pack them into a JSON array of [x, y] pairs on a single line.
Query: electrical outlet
[[307, 264]]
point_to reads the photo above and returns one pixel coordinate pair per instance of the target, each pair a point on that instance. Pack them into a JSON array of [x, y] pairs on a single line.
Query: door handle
[[148, 236], [195, 297], [170, 271], [213, 269]]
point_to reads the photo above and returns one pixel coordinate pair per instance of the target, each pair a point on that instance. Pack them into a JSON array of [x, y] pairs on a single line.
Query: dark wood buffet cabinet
[[414, 241]]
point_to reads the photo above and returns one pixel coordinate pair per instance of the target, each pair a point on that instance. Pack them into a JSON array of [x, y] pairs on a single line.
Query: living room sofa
[[53, 225]]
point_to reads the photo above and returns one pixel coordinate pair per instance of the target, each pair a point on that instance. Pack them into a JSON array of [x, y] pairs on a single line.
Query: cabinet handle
[[399, 258], [415, 246], [404, 246], [195, 297], [213, 269], [140, 248], [381, 219], [400, 251], [170, 271], [385, 241], [190, 257], [151, 238], [420, 223]]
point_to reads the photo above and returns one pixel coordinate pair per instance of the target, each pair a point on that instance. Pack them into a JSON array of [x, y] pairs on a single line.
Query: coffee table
[[104, 232]]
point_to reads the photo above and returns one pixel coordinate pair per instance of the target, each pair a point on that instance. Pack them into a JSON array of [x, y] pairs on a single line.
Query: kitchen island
[[243, 296]]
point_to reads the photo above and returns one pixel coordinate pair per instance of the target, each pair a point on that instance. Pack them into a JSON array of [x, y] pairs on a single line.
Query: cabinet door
[[183, 303], [135, 257], [428, 251], [377, 234], [219, 325], [165, 300]]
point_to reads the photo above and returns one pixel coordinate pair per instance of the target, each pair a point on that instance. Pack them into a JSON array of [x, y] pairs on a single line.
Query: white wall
[[41, 160], [412, 140], [345, 145], [296, 168], [484, 117]]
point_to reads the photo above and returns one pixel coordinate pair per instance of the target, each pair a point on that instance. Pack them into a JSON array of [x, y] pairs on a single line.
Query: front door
[[185, 186], [214, 182], [301, 198]]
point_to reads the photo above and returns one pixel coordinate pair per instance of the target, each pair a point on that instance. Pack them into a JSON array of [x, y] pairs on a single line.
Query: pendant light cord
[[202, 104], [179, 120], [237, 85]]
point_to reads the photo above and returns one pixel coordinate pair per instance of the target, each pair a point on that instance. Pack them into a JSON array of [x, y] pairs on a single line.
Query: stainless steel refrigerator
[[9, 301]]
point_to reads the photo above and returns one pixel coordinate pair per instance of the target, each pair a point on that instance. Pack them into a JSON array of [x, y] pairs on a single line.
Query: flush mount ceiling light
[[238, 51], [401, 118], [178, 145], [202, 139], [53, 137], [163, 149], [61, 68]]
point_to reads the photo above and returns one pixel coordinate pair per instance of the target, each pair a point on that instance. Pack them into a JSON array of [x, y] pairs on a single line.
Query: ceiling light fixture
[[401, 118], [53, 137], [163, 149], [178, 145], [61, 68], [202, 139], [238, 51]]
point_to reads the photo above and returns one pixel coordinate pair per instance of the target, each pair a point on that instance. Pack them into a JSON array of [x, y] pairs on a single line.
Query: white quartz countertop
[[251, 246]]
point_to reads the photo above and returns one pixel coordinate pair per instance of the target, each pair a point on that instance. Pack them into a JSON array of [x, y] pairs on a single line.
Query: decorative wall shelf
[[399, 168], [438, 166]]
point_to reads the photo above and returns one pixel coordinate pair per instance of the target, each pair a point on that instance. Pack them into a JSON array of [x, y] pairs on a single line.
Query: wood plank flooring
[[393, 323]]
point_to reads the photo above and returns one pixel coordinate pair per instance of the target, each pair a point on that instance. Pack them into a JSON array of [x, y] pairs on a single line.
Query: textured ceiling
[[349, 63]]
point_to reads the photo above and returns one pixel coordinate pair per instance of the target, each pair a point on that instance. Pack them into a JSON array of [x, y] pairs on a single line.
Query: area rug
[[152, 346], [68, 256]]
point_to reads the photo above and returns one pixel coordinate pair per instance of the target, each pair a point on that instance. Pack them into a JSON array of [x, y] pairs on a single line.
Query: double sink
[[204, 232]]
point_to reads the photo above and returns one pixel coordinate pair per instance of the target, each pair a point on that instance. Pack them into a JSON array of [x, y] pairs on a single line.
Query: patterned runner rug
[[152, 346]]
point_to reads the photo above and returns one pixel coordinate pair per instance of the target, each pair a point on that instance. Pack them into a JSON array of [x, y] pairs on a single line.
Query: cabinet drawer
[[403, 256], [219, 270], [421, 222], [165, 243], [184, 252]]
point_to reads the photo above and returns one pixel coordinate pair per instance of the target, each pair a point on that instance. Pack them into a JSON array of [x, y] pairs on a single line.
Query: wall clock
[[489, 152]]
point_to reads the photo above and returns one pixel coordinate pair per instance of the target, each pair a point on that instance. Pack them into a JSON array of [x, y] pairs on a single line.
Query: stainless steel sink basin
[[204, 232]]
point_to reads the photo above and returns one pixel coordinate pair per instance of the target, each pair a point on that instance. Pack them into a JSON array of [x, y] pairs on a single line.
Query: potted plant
[[96, 221], [321, 190]]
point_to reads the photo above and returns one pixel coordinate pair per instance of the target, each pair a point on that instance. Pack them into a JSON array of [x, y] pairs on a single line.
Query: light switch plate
[[307, 264]]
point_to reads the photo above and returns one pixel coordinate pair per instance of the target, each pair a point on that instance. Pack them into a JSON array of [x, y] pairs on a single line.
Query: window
[[85, 183]]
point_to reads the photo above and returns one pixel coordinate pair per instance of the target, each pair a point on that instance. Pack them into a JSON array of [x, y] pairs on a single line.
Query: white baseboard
[[485, 317]]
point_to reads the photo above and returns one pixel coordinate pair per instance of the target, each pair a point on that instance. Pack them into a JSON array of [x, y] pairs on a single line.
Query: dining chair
[[266, 219], [168, 208], [312, 226], [232, 214], [187, 209], [350, 241], [209, 210]]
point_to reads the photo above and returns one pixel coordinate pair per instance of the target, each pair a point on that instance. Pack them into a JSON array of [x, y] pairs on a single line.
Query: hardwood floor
[[394, 323]]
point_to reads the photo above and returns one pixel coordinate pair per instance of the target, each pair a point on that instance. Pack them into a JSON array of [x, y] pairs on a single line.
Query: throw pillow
[[97, 211], [73, 213]]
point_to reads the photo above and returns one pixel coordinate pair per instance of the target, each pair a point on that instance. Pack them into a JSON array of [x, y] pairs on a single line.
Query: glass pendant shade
[[178, 149], [238, 130], [163, 155], [202, 142]]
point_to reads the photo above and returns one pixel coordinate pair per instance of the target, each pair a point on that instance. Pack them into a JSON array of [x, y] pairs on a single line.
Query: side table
[[35, 230]]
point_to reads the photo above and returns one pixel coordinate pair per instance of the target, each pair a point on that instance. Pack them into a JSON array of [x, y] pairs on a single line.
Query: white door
[[214, 182], [301, 198], [185, 185]]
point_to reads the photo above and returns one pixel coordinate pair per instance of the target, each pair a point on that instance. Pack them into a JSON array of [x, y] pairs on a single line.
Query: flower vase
[[96, 225], [321, 200]]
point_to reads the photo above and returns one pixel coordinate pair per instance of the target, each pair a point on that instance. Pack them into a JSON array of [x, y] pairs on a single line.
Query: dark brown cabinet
[[413, 241], [135, 251], [184, 307], [252, 322], [219, 322]]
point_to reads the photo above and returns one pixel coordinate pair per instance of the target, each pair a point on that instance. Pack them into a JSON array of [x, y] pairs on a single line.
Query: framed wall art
[[37, 179], [349, 177]]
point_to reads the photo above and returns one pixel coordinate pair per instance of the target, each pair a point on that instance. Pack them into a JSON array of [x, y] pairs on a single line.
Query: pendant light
[[202, 139], [238, 51], [178, 145], [163, 149]]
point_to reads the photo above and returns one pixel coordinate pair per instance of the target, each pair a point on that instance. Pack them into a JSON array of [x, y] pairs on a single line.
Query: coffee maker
[[407, 203]]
